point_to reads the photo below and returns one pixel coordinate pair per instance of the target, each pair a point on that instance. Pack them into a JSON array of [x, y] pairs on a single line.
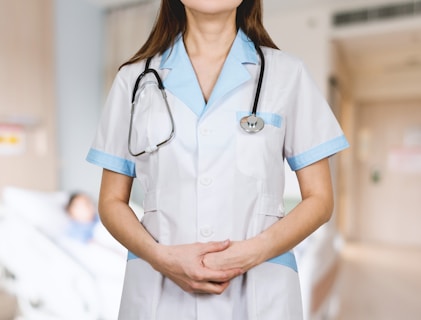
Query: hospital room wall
[[80, 92], [51, 73], [27, 107]]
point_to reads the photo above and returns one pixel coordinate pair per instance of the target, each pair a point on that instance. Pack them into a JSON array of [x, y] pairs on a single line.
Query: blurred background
[[57, 61]]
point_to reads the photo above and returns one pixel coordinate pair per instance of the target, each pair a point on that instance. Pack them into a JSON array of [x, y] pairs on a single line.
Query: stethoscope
[[251, 123]]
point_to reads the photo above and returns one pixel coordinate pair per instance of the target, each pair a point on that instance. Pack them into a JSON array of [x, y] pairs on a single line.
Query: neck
[[210, 35]]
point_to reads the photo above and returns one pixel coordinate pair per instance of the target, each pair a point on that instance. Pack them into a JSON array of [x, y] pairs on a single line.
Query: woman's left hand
[[240, 254]]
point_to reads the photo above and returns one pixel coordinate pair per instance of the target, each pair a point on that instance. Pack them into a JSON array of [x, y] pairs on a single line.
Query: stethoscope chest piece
[[252, 123]]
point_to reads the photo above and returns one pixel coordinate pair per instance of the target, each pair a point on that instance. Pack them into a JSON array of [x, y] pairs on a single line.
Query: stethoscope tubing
[[251, 123], [260, 81], [133, 103]]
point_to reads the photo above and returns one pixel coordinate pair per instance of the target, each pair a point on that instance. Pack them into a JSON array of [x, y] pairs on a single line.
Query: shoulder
[[281, 64], [130, 72], [276, 58]]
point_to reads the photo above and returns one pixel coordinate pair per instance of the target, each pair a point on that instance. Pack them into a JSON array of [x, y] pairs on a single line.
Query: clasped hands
[[206, 268]]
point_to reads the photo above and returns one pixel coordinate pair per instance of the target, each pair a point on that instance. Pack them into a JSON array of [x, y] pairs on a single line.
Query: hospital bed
[[51, 275]]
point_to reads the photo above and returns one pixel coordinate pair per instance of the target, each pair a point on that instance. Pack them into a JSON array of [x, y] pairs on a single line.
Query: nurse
[[214, 241]]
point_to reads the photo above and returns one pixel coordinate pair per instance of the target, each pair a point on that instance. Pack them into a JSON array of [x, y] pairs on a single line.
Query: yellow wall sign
[[12, 139]]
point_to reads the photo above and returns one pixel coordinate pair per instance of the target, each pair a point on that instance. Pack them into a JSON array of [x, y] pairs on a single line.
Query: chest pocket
[[260, 154]]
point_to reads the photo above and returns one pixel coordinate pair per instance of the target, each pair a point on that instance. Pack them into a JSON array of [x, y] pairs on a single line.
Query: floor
[[375, 283], [380, 283]]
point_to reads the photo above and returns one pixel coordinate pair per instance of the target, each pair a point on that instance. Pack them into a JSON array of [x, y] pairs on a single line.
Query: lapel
[[182, 81], [234, 72]]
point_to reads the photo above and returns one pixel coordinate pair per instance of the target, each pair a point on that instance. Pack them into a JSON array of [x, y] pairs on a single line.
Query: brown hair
[[172, 21]]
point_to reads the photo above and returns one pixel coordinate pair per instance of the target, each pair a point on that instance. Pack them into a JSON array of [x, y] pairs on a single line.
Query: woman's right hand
[[184, 265]]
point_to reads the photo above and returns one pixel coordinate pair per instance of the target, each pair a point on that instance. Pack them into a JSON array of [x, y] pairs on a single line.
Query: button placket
[[205, 181]]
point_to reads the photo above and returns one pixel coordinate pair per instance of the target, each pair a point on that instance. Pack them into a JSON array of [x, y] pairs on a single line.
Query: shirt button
[[206, 231], [205, 131], [206, 181]]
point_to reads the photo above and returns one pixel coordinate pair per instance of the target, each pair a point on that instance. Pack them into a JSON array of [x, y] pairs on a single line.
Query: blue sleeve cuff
[[320, 152], [111, 162]]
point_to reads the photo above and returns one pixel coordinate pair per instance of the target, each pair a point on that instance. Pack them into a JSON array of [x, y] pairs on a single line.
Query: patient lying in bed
[[83, 217], [49, 249]]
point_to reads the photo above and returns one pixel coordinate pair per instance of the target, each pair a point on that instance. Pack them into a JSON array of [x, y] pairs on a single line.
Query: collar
[[182, 81]]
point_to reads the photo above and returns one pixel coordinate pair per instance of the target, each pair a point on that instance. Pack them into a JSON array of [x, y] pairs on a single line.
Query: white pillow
[[44, 210]]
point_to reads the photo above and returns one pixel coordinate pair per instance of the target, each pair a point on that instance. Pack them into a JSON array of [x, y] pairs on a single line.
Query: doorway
[[388, 172]]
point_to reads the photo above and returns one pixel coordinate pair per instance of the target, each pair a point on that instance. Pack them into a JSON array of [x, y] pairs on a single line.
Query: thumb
[[216, 246]]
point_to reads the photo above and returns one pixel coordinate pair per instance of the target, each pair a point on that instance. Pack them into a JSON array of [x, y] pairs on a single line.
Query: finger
[[210, 287], [220, 276]]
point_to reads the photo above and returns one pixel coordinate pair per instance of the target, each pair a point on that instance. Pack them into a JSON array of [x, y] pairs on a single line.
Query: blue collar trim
[[182, 81]]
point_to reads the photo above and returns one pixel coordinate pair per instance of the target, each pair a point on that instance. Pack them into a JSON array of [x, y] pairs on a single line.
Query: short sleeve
[[312, 131], [109, 149]]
